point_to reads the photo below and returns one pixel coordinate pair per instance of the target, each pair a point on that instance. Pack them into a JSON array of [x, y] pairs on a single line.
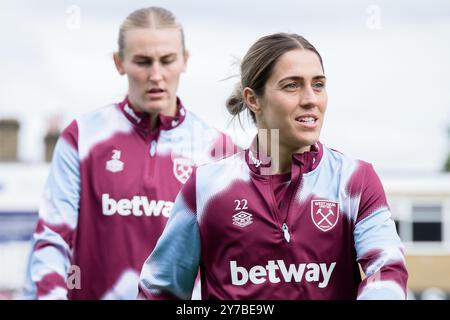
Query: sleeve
[[50, 258], [171, 269], [378, 246]]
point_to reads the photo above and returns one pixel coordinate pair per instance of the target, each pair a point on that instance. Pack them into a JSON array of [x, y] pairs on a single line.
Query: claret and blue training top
[[107, 199], [295, 236]]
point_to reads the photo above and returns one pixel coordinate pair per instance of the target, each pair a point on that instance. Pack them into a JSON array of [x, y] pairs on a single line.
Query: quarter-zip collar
[[260, 170], [141, 120], [260, 164]]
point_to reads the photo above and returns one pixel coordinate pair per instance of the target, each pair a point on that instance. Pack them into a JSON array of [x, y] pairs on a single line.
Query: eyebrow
[[297, 78], [140, 56]]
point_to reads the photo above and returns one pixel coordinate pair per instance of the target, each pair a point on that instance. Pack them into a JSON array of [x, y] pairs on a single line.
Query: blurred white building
[[420, 205]]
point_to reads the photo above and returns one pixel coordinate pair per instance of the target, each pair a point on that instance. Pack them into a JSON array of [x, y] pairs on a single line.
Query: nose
[[155, 73], [308, 98]]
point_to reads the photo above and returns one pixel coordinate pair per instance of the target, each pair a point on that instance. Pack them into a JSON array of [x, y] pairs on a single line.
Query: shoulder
[[342, 162], [337, 157], [196, 130], [208, 178], [231, 167], [352, 171], [212, 143], [232, 161], [100, 125], [218, 177], [110, 114], [193, 122]]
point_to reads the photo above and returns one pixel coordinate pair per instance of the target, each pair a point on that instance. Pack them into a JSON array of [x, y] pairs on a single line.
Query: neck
[[153, 121], [168, 112], [280, 154]]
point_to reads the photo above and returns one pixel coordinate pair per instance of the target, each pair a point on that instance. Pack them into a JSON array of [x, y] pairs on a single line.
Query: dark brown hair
[[258, 63]]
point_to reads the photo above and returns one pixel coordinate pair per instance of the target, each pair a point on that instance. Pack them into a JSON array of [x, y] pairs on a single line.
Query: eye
[[144, 62], [319, 85], [168, 60]]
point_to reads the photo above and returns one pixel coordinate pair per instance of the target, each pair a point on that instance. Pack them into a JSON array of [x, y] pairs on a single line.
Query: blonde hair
[[151, 17]]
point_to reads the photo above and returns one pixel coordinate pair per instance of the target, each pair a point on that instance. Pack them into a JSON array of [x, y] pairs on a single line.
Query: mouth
[[307, 121], [155, 93]]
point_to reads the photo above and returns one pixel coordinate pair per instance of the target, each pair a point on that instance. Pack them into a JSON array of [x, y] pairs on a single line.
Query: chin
[[306, 141], [154, 107]]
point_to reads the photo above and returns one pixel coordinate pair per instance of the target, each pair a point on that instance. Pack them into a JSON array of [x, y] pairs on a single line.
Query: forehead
[[152, 42], [297, 63]]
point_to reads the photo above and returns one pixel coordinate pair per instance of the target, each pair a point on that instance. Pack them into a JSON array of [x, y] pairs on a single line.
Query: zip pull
[[286, 234], [153, 148]]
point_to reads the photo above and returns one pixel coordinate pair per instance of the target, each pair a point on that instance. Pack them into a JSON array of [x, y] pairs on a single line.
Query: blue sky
[[386, 62]]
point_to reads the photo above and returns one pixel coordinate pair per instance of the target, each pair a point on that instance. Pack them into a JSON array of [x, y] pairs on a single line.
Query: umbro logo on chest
[[115, 165], [242, 218]]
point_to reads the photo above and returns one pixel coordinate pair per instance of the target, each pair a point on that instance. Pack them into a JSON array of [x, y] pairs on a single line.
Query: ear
[[185, 59], [119, 64], [251, 100]]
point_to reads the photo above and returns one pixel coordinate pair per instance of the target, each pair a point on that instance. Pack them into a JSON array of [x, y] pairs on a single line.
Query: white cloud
[[389, 102]]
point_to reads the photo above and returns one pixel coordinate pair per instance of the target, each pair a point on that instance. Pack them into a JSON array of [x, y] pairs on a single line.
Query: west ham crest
[[182, 169], [324, 214]]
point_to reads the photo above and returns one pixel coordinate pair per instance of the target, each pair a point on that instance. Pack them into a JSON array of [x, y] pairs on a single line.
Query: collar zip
[[301, 163], [141, 121]]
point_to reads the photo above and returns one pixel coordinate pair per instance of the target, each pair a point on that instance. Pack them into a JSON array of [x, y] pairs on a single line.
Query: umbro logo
[[242, 219]]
